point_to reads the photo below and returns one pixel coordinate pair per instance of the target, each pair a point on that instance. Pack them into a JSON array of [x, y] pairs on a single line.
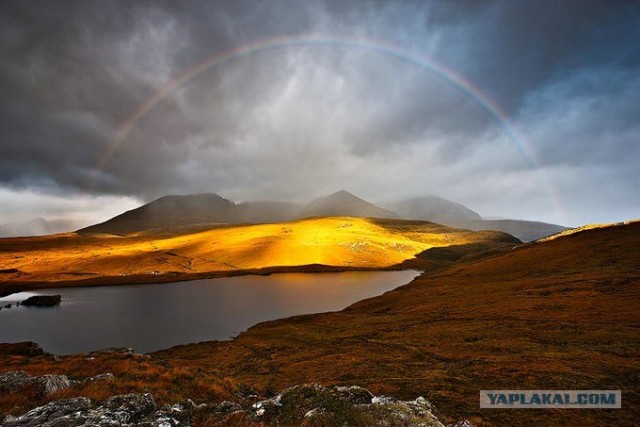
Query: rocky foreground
[[302, 405]]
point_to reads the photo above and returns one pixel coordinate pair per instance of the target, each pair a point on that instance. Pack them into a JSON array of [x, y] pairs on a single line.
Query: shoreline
[[15, 286]]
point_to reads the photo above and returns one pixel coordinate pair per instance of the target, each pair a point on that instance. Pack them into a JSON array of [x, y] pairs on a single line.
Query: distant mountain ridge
[[208, 208], [435, 209], [526, 231]]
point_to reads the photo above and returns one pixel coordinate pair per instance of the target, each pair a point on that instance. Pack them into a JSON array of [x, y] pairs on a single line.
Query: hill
[[526, 231], [558, 314], [443, 211], [200, 251], [343, 203], [170, 211], [435, 209]]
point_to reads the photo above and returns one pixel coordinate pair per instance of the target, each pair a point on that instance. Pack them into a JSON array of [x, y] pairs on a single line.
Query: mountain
[[443, 211], [171, 211], [343, 203], [39, 227], [199, 211], [435, 209], [526, 231]]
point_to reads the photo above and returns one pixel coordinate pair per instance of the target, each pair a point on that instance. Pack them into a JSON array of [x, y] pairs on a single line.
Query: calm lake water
[[152, 317]]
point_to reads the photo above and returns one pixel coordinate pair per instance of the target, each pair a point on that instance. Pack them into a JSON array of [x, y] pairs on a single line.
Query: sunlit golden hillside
[[343, 242]]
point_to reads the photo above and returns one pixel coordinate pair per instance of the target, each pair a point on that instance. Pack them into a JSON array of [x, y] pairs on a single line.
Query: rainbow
[[456, 80]]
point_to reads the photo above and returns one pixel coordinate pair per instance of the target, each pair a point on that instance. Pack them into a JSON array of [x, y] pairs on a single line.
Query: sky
[[519, 109]]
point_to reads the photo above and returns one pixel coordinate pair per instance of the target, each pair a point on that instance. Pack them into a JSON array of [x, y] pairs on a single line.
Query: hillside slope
[[526, 231], [176, 254], [562, 314]]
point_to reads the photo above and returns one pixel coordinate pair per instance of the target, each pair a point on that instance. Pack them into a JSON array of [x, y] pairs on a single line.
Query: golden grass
[[334, 241]]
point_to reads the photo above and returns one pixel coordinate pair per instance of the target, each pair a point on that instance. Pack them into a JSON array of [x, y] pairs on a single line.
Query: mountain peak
[[171, 211], [342, 193], [344, 203]]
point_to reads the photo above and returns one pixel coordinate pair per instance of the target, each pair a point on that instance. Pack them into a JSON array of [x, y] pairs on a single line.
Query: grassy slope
[[563, 314], [183, 253]]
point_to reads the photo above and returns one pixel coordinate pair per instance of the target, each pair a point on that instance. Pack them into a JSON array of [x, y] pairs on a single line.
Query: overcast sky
[[301, 120]]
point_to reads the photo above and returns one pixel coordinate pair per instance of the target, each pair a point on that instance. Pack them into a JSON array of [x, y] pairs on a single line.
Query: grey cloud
[[305, 120]]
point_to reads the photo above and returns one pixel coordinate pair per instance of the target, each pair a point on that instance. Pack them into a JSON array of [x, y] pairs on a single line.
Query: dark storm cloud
[[299, 121]]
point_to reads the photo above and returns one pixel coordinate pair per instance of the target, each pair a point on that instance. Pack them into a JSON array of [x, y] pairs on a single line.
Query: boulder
[[131, 405], [100, 377], [126, 410], [16, 381], [42, 301], [48, 384], [355, 394], [59, 413], [13, 381]]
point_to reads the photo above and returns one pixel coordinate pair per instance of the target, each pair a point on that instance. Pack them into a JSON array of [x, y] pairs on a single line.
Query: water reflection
[[152, 317]]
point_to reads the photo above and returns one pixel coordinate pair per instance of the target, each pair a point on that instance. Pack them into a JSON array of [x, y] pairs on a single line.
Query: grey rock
[[101, 377], [15, 381], [315, 412], [42, 301], [48, 384], [131, 405], [225, 407], [382, 400], [126, 410], [59, 414], [191, 405], [313, 403], [269, 407], [355, 394]]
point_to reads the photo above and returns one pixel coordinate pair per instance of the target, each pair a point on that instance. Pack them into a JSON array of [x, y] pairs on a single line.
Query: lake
[[152, 317]]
